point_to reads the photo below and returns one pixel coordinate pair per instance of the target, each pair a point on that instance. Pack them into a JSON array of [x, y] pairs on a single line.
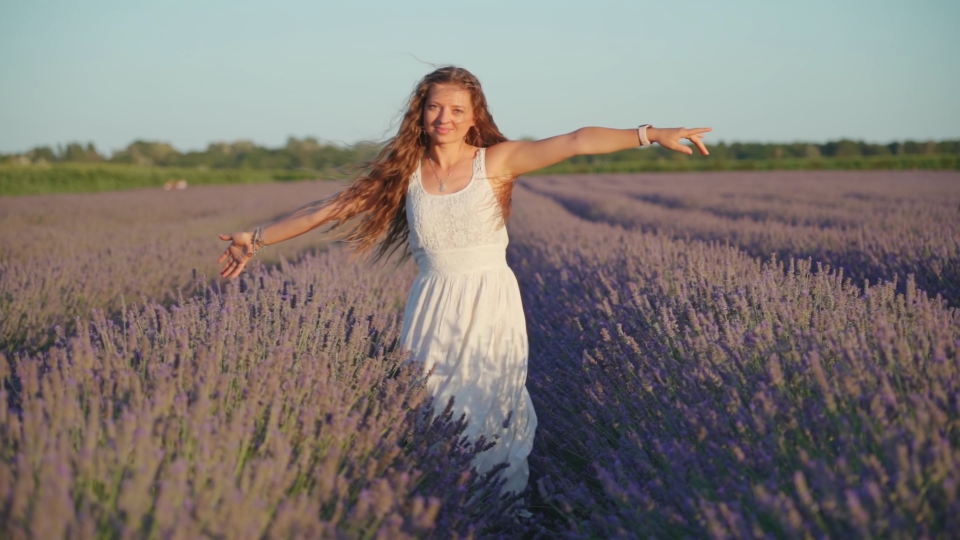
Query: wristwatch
[[642, 132]]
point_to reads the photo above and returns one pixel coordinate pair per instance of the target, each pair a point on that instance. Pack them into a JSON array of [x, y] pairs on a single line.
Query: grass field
[[95, 178], [713, 355]]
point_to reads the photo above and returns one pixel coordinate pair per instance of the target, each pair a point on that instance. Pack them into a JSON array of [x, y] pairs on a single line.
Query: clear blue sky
[[190, 72]]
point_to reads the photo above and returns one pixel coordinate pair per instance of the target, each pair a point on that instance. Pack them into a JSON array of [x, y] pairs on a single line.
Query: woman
[[443, 186]]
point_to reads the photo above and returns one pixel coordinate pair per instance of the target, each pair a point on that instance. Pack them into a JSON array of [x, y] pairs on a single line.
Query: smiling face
[[447, 113]]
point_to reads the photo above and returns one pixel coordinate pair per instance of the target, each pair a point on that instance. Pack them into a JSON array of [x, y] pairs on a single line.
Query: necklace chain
[[437, 175]]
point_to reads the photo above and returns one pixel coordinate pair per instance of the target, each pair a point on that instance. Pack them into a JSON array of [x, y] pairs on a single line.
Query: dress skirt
[[464, 320]]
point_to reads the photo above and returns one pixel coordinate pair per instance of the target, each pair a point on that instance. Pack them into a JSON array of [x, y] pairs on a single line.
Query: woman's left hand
[[237, 255], [671, 137]]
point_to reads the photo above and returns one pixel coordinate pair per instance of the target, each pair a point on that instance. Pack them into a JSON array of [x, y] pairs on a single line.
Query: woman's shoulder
[[495, 158]]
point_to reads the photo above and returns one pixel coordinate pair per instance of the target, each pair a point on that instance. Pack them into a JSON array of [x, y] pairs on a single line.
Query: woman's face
[[447, 113]]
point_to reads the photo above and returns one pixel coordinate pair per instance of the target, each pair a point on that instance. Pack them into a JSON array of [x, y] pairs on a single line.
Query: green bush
[[98, 177], [91, 178]]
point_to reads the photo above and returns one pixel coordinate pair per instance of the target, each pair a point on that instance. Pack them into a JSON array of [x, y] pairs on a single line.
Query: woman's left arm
[[513, 158]]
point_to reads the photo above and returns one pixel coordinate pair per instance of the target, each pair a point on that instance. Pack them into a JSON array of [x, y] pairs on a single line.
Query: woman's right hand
[[238, 253]]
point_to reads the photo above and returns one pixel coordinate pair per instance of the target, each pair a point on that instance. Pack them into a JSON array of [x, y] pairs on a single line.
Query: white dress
[[464, 318]]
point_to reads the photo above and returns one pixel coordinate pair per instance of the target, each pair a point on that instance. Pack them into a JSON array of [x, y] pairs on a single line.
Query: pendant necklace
[[442, 180]]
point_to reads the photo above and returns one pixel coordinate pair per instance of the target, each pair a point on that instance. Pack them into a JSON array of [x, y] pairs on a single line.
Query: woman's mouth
[[443, 130]]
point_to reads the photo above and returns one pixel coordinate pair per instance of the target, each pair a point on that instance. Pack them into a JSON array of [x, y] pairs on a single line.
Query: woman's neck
[[448, 155]]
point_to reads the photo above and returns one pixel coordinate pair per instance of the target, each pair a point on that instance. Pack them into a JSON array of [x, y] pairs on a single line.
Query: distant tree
[[315, 154], [42, 153], [841, 148], [147, 153], [75, 152], [875, 149], [949, 147], [911, 147]]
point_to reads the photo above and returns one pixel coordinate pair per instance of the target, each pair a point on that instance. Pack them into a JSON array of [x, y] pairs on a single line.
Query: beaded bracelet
[[257, 241]]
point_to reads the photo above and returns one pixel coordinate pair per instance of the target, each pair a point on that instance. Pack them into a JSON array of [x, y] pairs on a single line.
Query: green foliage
[[89, 178], [78, 168], [308, 153], [311, 153]]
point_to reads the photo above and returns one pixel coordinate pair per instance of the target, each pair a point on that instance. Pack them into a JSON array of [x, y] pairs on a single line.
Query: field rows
[[873, 226], [687, 383]]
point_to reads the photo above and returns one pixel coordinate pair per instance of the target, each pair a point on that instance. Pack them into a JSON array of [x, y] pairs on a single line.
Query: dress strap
[[414, 179], [480, 164]]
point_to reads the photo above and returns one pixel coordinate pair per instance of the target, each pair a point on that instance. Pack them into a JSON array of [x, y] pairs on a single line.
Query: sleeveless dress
[[464, 319]]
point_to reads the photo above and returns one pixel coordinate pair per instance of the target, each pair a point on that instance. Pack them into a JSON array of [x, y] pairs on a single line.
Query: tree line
[[308, 153], [312, 154]]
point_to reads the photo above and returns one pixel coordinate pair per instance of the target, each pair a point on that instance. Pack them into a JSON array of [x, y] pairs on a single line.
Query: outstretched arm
[[513, 158], [304, 219]]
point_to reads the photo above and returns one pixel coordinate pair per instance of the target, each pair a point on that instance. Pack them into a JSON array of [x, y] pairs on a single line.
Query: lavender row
[[685, 389], [280, 407], [873, 226], [63, 255]]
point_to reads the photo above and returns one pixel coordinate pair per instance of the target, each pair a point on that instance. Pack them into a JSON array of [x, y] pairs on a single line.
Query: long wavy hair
[[375, 201]]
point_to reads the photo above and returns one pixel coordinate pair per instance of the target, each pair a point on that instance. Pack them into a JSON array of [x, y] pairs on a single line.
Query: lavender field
[[722, 355]]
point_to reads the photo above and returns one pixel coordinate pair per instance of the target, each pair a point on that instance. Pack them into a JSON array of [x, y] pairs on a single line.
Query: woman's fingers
[[696, 131], [695, 136], [680, 147], [676, 145], [230, 266], [224, 237], [236, 272], [236, 262], [697, 141], [228, 253], [700, 146], [673, 144]]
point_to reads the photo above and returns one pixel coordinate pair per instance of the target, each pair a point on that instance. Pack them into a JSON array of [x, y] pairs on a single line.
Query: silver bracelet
[[257, 241], [642, 132]]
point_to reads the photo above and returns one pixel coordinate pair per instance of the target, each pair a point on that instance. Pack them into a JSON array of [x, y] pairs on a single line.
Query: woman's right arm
[[302, 220]]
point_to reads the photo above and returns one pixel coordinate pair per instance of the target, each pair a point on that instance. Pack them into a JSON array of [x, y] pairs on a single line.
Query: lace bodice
[[465, 219]]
